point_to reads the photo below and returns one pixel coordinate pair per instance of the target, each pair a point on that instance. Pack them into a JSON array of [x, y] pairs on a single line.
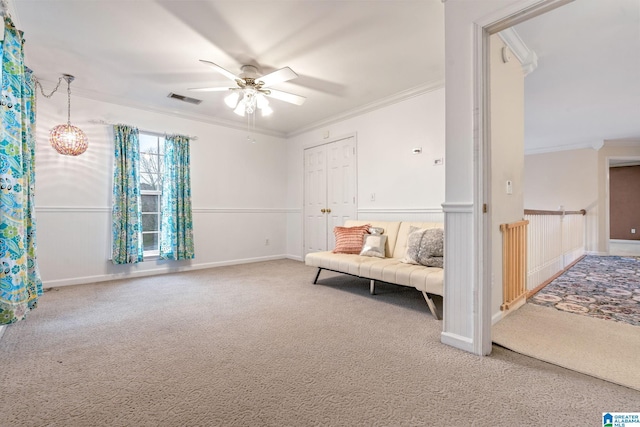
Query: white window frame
[[148, 192]]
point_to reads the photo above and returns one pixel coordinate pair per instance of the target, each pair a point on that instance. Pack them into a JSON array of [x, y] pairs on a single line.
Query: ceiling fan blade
[[278, 76], [209, 89], [286, 97], [226, 73]]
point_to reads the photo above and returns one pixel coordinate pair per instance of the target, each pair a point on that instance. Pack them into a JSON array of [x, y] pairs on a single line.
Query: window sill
[[151, 256]]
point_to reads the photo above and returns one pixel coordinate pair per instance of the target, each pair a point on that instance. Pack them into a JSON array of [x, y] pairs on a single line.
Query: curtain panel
[[20, 283], [176, 227], [126, 213]]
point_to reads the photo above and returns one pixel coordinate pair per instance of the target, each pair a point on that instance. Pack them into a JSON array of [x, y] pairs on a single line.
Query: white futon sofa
[[391, 269]]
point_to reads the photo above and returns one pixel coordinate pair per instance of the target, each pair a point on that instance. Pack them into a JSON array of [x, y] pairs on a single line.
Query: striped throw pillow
[[349, 239]]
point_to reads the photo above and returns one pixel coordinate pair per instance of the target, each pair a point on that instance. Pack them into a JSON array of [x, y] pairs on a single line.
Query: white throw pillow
[[374, 245], [376, 230]]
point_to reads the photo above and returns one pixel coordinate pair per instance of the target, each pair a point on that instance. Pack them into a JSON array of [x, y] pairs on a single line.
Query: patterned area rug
[[605, 287]]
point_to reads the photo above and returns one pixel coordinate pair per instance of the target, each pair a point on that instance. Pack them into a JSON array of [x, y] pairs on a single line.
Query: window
[[151, 156]]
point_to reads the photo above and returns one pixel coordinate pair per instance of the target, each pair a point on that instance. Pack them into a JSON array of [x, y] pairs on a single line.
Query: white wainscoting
[[74, 243], [554, 242], [459, 288], [295, 227]]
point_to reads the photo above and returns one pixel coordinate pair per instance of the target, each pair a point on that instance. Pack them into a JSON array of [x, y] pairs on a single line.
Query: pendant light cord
[[68, 101]]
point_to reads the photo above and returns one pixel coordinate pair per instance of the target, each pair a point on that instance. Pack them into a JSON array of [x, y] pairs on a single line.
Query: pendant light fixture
[[68, 139]]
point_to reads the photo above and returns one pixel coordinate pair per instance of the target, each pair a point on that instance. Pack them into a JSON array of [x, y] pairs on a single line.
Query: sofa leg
[[372, 287], [431, 305], [317, 275]]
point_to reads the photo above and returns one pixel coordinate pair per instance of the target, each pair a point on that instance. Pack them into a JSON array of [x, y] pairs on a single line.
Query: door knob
[[323, 210], [328, 210]]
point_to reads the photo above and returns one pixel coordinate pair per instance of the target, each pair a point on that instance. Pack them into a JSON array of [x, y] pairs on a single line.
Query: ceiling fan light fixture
[[252, 91], [261, 101], [250, 99], [232, 99], [266, 111], [240, 109]]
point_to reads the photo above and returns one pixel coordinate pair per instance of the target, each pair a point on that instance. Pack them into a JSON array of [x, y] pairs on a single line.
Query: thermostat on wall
[[506, 55]]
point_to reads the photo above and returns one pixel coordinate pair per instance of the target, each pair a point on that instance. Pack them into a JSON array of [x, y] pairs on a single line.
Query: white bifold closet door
[[329, 191]]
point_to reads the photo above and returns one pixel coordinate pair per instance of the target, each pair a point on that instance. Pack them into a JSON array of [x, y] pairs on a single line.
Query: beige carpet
[[601, 348], [259, 345]]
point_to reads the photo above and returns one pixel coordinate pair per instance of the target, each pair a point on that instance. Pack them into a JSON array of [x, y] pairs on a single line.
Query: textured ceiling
[[348, 54], [586, 88]]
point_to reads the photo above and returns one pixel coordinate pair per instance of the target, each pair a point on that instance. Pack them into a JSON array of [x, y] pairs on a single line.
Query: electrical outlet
[[266, 242], [633, 231], [373, 197]]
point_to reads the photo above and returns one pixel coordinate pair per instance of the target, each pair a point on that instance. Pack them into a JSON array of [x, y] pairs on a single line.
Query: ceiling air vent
[[185, 98]]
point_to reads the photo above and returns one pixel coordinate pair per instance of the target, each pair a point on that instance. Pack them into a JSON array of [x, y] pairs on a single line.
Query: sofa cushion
[[349, 239], [345, 263]]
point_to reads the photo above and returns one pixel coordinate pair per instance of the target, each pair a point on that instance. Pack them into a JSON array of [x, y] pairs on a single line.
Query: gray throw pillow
[[425, 247]]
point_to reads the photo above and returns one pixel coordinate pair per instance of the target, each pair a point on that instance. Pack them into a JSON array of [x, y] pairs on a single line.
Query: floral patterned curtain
[[126, 214], [20, 283], [176, 227]]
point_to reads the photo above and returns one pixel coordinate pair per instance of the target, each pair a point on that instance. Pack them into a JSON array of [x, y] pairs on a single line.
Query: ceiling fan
[[252, 89]]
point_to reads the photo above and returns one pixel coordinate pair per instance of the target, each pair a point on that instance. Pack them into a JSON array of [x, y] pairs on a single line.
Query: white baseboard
[[457, 341], [295, 258], [497, 317], [624, 247], [106, 277]]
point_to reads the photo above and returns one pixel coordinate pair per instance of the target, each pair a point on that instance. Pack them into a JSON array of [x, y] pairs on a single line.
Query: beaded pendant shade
[[68, 139]]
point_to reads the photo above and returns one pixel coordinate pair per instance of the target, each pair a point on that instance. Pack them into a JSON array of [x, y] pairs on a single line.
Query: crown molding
[[527, 57], [372, 106], [624, 142], [203, 118], [594, 145]]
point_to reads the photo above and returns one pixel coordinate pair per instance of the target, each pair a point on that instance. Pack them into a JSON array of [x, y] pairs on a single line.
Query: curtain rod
[[103, 122]]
